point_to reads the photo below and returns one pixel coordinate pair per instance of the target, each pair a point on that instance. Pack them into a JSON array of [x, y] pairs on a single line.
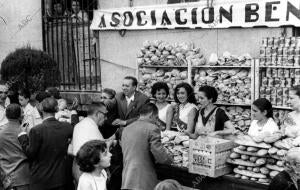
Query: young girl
[[262, 118], [93, 157]]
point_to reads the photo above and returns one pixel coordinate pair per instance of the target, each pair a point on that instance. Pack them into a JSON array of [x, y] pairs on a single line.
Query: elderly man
[[141, 143], [13, 162], [87, 130], [289, 178], [46, 147]]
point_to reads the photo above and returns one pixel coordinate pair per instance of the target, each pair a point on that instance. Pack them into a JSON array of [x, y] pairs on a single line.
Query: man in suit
[[129, 103], [13, 162], [141, 142], [46, 147]]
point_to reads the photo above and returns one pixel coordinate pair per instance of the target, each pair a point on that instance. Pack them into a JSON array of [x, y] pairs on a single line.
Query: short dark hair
[[190, 92], [133, 79], [148, 108], [159, 86], [13, 111], [110, 92], [42, 95], [296, 89], [54, 92], [210, 92], [25, 93], [89, 155], [49, 105], [263, 104], [94, 107]]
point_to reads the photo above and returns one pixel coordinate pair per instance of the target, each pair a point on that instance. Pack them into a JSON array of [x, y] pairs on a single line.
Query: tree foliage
[[31, 69]]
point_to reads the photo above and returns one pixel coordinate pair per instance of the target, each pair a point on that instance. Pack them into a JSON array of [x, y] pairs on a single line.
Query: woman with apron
[[212, 121]]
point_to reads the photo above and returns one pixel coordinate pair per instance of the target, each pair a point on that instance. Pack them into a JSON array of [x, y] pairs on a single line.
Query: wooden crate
[[207, 156]]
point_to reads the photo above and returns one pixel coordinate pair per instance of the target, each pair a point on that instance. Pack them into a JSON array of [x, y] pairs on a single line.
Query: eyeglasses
[[3, 92]]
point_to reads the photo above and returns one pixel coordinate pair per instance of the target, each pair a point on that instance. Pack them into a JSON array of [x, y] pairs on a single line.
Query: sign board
[[223, 14]]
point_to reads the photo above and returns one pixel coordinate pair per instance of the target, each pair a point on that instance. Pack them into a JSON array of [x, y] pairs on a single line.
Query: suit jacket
[[46, 147], [282, 181], [130, 113], [141, 146], [14, 164]]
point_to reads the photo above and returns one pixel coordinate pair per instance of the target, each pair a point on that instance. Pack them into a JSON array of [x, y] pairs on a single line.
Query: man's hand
[[119, 122], [75, 104]]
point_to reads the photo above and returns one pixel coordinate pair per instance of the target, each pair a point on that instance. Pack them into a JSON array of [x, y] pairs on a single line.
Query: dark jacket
[[13, 162], [131, 113], [107, 129], [282, 181], [46, 147]]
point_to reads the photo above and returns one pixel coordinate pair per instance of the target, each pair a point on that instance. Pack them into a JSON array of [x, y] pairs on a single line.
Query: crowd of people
[[45, 145]]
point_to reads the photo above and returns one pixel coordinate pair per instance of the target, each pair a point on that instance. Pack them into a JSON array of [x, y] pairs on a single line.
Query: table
[[226, 182]]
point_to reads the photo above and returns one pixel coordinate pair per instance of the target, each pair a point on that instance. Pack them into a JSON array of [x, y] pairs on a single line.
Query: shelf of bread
[[228, 60], [233, 85]]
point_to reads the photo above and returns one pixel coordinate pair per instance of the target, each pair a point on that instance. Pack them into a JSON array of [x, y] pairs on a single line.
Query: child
[[63, 113], [262, 118], [93, 157]]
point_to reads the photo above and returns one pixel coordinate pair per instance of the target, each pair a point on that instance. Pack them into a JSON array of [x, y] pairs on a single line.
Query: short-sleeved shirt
[[256, 130]]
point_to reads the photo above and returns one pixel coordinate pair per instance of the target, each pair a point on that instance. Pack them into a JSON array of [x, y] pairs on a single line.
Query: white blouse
[[256, 130], [185, 110], [162, 113], [89, 182], [31, 116]]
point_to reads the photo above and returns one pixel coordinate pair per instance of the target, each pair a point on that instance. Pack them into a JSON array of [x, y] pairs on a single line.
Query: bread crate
[[207, 156]]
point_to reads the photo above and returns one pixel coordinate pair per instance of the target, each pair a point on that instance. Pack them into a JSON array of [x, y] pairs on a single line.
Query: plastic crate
[[207, 156]]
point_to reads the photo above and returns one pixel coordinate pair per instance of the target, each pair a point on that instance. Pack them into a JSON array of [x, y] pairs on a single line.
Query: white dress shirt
[[85, 131], [129, 99]]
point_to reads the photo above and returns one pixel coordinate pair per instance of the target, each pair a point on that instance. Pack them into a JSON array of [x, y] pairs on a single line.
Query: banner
[[223, 14]]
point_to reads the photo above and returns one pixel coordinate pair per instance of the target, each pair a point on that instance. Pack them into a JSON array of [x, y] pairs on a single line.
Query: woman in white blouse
[[263, 122], [160, 91], [185, 110]]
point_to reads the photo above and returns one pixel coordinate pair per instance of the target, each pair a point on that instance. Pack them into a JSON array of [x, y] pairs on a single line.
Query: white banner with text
[[223, 14]]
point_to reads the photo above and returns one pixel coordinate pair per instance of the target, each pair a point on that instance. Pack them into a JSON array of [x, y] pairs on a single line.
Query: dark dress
[[282, 181]]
